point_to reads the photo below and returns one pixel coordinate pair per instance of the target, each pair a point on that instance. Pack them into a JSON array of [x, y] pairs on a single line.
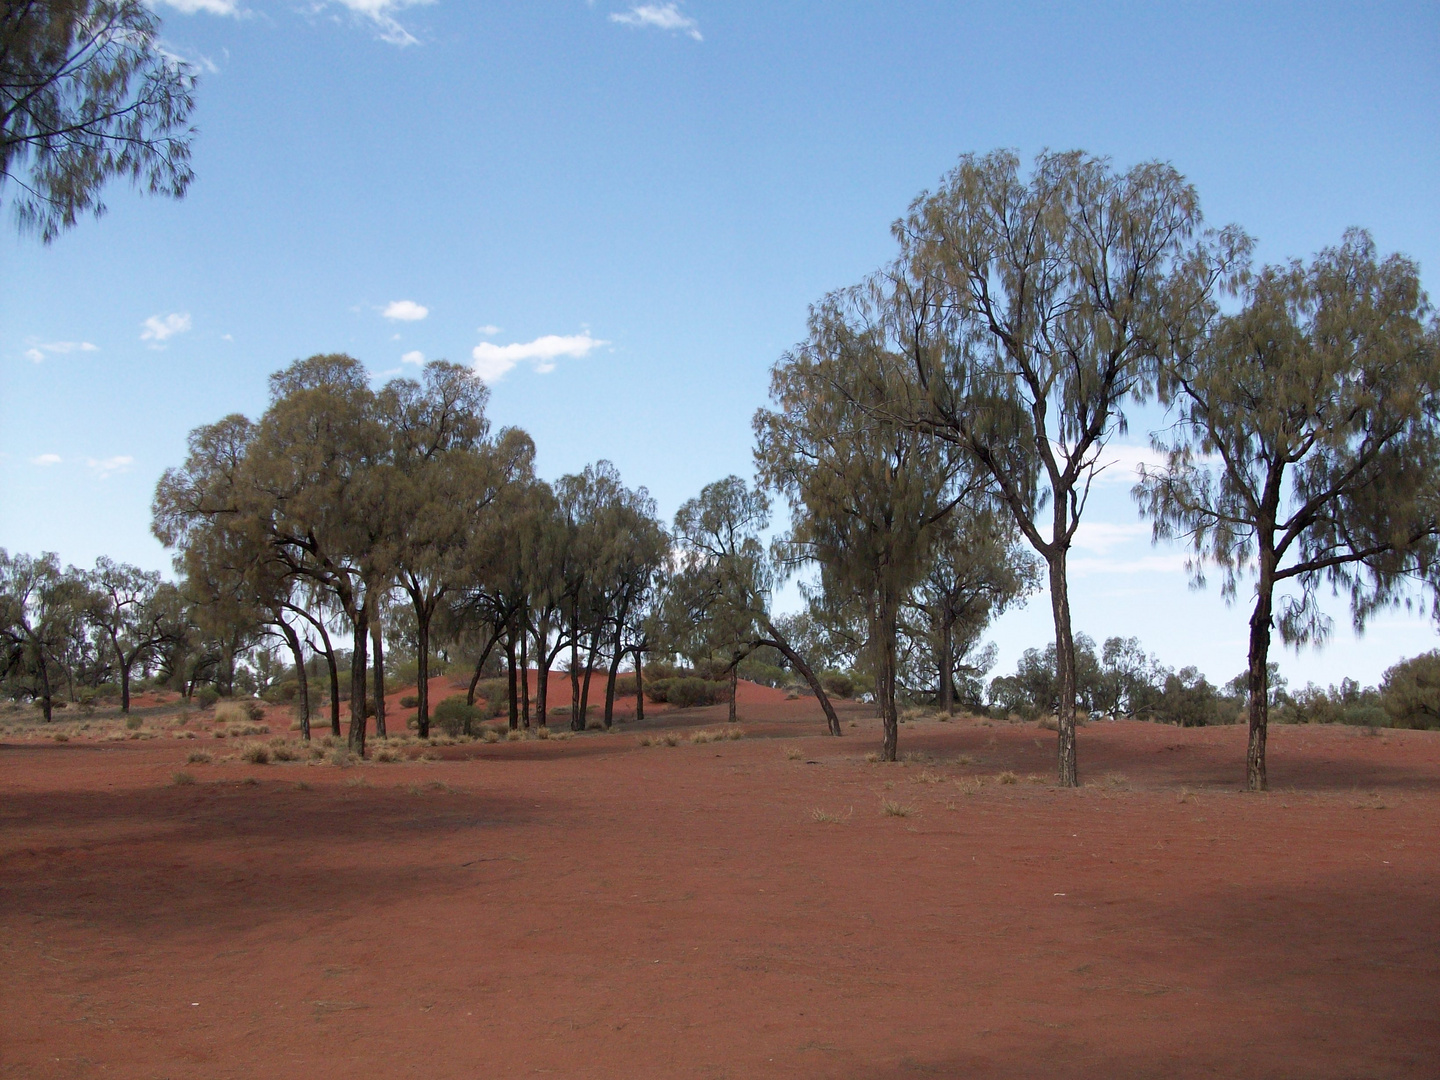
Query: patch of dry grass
[[794, 753], [181, 779], [255, 754], [896, 809], [970, 785], [515, 735], [825, 817], [198, 757], [1007, 777]]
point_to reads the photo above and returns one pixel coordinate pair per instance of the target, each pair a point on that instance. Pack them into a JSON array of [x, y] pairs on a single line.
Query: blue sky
[[620, 213]]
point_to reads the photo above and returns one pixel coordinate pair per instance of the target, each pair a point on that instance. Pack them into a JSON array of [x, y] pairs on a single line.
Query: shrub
[[1410, 691], [180, 779], [198, 757], [409, 701], [454, 717], [207, 696], [132, 723], [239, 711], [256, 754], [625, 684], [837, 684], [689, 692]]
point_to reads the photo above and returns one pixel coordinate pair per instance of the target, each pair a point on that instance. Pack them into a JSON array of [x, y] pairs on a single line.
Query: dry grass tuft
[[284, 750], [340, 757], [1007, 777], [181, 779], [794, 753], [560, 736], [302, 786], [970, 785], [357, 781], [387, 754], [928, 777], [60, 736], [670, 739], [198, 757], [895, 809], [964, 759], [515, 735], [1034, 779], [255, 754], [491, 735], [249, 781], [542, 732], [645, 740], [1117, 780], [873, 757], [734, 733], [825, 817]]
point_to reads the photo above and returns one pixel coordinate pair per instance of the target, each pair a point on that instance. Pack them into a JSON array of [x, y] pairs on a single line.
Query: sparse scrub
[[132, 723], [239, 712], [896, 809], [181, 779], [515, 735], [490, 736], [825, 817], [255, 754], [282, 750], [671, 739], [387, 755], [1007, 777], [198, 757], [794, 753]]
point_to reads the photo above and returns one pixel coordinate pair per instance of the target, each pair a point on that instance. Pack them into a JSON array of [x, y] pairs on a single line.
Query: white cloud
[[105, 467], [46, 459], [210, 7], [414, 357], [489, 330], [405, 311], [160, 328], [659, 17], [493, 361], [380, 14], [1101, 536], [40, 349], [1145, 564], [227, 337]]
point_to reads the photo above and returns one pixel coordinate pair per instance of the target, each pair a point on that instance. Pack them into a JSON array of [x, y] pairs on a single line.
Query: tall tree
[[1031, 311], [131, 608], [1304, 448], [866, 491], [42, 618], [88, 93]]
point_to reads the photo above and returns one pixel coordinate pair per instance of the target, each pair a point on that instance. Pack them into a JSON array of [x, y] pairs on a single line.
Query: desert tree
[[131, 609], [866, 490], [1304, 446], [87, 93], [724, 580], [42, 617], [1032, 311]]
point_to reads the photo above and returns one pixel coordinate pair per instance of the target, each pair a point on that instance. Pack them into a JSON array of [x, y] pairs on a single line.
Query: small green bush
[[409, 701], [454, 717], [837, 684], [206, 696], [689, 692]]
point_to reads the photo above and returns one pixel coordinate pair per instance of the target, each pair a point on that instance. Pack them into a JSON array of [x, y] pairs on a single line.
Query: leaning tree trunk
[[302, 680], [479, 668], [358, 666], [808, 674], [1259, 674], [379, 667], [639, 685], [1068, 774]]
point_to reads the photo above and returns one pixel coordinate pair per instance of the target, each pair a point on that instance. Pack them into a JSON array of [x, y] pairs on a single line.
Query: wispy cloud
[[105, 467], [405, 311], [413, 357], [209, 7], [489, 330], [659, 17], [493, 361], [46, 459], [1144, 564], [160, 328], [1101, 536], [380, 14], [40, 349]]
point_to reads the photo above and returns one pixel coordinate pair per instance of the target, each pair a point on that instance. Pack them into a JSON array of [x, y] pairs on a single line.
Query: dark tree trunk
[[513, 685], [947, 665], [358, 670], [422, 683], [479, 666], [734, 686], [524, 676], [1068, 774], [302, 679], [542, 670], [639, 685], [1259, 673], [808, 674], [885, 682], [610, 686], [329, 652], [379, 667], [124, 667], [589, 671], [576, 722]]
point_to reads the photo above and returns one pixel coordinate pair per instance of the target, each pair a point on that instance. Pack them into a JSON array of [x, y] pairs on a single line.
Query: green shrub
[[409, 701], [454, 717], [837, 684], [689, 692], [624, 683], [133, 723], [206, 696]]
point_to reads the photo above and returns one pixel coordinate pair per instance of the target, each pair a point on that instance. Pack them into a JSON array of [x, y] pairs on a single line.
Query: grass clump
[[256, 754], [198, 757], [895, 809], [491, 736], [794, 754], [181, 779], [283, 750], [822, 816], [60, 736], [515, 735], [387, 754], [1007, 777], [132, 723]]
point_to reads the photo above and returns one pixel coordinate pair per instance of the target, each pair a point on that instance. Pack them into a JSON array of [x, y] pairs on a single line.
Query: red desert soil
[[598, 908]]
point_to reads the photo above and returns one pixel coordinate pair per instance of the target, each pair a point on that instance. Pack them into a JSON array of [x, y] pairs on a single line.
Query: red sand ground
[[594, 908]]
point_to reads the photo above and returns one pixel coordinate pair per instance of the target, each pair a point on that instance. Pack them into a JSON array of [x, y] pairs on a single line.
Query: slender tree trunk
[[1259, 674], [512, 685], [734, 685], [379, 668], [808, 674], [947, 665], [542, 670], [334, 669], [479, 666], [124, 677], [885, 682], [47, 700], [576, 723], [525, 675], [589, 670], [358, 670], [422, 684], [301, 678], [1068, 774], [639, 684], [610, 686]]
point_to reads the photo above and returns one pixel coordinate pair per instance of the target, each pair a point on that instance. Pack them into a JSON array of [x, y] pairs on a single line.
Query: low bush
[[206, 696], [837, 684], [686, 692], [239, 711], [454, 717], [256, 754], [409, 701]]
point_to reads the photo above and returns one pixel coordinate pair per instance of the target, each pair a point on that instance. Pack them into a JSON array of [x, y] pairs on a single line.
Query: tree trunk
[[379, 667], [734, 685], [358, 671], [334, 674], [479, 665], [576, 724], [512, 686], [525, 676], [885, 681], [124, 678], [808, 674], [589, 670], [1068, 774], [610, 687], [422, 682], [639, 685], [542, 670], [1259, 674], [947, 665], [301, 678]]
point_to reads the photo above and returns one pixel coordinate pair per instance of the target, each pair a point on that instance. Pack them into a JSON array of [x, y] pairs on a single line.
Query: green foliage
[[206, 696], [454, 717], [1410, 691], [838, 683], [687, 691], [409, 701]]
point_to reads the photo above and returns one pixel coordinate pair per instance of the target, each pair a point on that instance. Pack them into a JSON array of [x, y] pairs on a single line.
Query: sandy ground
[[598, 908]]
